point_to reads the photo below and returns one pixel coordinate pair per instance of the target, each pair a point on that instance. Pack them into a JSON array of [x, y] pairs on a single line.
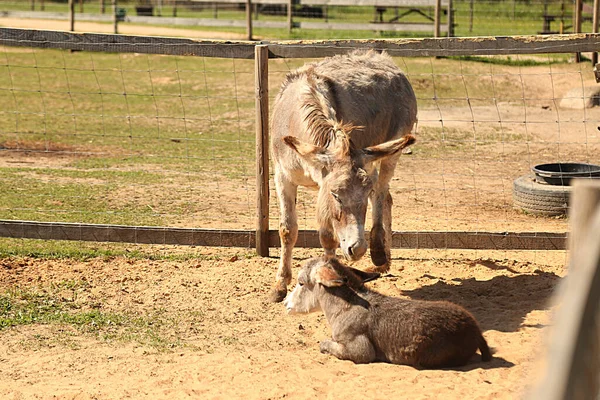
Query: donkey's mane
[[319, 115]]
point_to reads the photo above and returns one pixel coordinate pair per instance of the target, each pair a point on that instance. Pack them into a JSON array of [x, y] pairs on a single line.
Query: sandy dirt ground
[[124, 28], [224, 340], [229, 342]]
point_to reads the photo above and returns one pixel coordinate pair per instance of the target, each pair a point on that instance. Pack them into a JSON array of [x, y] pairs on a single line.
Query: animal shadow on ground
[[501, 303]]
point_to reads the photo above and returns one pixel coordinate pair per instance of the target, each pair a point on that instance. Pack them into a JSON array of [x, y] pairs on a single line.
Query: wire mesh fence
[[482, 125], [130, 139], [164, 140]]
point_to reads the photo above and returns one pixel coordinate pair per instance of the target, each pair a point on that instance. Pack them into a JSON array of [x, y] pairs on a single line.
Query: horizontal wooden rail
[[126, 44], [427, 47], [246, 238], [441, 47]]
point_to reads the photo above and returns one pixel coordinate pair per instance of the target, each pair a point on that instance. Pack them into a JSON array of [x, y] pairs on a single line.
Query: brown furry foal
[[339, 126], [368, 326]]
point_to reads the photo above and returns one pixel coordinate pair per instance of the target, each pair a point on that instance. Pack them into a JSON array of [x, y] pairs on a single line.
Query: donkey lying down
[[368, 326]]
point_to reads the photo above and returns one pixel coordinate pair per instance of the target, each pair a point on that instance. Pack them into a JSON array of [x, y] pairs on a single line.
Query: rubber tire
[[540, 199]]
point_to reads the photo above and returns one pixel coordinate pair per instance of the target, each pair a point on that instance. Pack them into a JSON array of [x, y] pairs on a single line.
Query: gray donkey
[[368, 326]]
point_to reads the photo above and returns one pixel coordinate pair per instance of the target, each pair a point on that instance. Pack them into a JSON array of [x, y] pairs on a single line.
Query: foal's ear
[[327, 276], [365, 276], [386, 149], [318, 156]]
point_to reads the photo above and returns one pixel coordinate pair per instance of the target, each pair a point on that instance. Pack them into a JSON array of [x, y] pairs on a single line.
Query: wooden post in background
[[595, 21], [115, 17], [102, 7], [32, 3], [290, 21], [436, 19], [261, 69], [577, 23], [72, 15], [471, 16], [249, 19], [81, 6], [450, 19]]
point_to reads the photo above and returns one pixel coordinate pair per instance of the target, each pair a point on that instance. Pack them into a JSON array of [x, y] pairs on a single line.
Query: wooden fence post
[[573, 362], [102, 7], [72, 15], [450, 19], [595, 22], [115, 17], [249, 19], [577, 23], [436, 19], [261, 69], [290, 21]]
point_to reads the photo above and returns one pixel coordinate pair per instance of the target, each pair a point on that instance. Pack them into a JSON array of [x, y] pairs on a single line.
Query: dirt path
[[124, 28]]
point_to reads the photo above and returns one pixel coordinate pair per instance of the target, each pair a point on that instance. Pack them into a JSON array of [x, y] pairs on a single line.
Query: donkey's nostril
[[350, 251]]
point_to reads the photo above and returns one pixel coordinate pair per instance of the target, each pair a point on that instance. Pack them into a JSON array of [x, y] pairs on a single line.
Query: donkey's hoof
[[382, 269], [380, 257], [277, 294]]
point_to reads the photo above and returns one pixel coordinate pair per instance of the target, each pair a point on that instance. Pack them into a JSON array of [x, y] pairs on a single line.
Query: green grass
[[58, 305], [84, 251]]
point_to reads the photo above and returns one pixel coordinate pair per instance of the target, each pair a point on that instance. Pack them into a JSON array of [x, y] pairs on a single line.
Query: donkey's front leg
[[359, 349], [288, 234], [381, 232]]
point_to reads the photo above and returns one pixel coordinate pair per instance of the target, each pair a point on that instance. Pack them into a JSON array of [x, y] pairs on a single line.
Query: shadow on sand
[[501, 303]]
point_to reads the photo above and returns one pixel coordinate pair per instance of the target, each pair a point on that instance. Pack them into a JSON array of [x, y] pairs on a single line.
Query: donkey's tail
[[486, 353]]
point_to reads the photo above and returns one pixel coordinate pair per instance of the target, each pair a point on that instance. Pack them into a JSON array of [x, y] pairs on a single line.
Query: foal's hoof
[[278, 293]]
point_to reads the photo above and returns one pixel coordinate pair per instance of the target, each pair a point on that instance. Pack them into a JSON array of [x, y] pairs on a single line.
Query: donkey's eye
[[336, 197]]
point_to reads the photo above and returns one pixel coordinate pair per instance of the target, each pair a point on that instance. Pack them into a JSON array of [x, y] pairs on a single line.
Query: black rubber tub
[[560, 174]]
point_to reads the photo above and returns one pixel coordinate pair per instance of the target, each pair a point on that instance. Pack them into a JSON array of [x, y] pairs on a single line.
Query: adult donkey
[[333, 123]]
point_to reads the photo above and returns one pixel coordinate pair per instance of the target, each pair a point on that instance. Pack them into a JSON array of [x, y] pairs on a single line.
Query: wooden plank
[[395, 27], [262, 149], [452, 240], [126, 44], [572, 363], [127, 234], [433, 47], [246, 238]]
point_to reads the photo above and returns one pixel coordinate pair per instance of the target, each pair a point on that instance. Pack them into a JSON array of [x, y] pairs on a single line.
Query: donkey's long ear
[[374, 153], [317, 156], [327, 276]]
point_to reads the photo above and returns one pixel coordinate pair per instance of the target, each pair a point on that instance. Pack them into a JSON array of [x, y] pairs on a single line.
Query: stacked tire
[[540, 198]]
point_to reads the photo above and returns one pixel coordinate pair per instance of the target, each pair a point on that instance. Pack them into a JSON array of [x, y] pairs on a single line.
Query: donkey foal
[[368, 326]]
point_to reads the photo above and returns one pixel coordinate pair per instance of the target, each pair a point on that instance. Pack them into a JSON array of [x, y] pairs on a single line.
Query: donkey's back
[[365, 89]]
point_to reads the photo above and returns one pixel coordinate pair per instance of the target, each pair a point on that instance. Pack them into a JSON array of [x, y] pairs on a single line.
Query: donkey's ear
[[374, 153], [318, 156], [364, 276], [327, 276]]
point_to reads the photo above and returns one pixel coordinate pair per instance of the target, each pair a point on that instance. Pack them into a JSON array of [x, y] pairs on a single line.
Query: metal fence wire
[[144, 139]]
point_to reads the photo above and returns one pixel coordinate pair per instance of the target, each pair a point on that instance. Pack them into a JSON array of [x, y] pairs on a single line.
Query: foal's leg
[[381, 204], [288, 234], [359, 349]]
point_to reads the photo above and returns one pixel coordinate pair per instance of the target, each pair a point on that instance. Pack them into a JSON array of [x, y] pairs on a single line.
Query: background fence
[[388, 18], [151, 140]]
